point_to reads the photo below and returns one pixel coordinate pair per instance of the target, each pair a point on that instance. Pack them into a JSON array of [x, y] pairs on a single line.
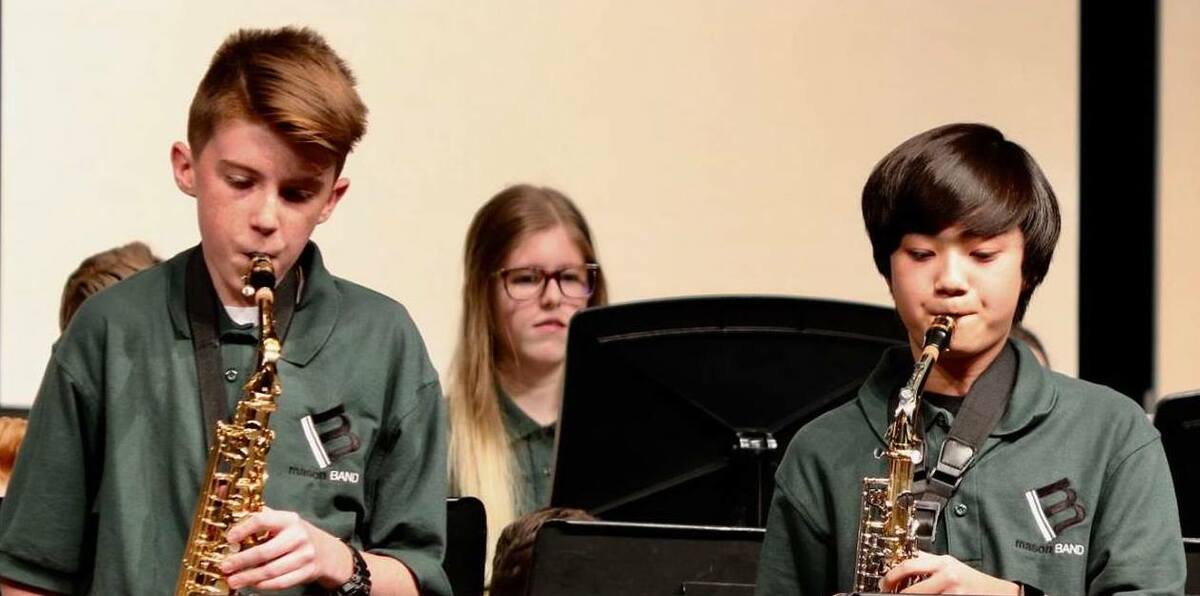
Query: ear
[[183, 168], [340, 186]]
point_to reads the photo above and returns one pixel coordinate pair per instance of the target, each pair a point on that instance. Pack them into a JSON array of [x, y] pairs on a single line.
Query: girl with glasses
[[529, 266]]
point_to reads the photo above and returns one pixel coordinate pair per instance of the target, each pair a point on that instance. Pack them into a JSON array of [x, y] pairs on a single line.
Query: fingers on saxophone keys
[[900, 574], [292, 568]]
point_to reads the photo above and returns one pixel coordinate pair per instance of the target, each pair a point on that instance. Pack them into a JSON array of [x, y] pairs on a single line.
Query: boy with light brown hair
[[99, 271], [101, 501]]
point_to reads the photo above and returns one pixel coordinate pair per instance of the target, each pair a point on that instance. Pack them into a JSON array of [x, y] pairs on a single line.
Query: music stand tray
[[618, 559]]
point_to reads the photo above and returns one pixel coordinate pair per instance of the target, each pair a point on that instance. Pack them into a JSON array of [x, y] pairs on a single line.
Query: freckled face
[[976, 280], [255, 193]]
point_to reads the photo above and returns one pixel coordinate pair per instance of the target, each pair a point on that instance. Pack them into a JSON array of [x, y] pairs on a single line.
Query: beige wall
[[1178, 310], [716, 146]]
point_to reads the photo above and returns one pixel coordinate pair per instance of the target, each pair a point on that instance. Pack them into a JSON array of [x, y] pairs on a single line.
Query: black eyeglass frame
[[593, 278]]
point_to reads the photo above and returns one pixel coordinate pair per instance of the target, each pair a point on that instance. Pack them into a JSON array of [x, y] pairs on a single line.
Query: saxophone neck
[[269, 345], [937, 340]]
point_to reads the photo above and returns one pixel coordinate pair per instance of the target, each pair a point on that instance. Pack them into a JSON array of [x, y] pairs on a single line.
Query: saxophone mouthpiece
[[262, 275], [937, 337]]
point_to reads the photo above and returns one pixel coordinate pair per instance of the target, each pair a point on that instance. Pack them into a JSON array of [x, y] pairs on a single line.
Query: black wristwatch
[[359, 583]]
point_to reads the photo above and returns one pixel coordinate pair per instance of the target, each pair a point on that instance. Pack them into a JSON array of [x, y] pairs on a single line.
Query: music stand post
[[466, 545]]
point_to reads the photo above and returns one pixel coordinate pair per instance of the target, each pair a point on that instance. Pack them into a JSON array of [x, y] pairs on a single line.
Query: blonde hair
[[99, 271], [12, 432], [288, 78], [481, 462]]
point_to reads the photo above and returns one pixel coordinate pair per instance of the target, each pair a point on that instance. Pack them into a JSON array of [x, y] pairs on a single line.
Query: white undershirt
[[243, 315]]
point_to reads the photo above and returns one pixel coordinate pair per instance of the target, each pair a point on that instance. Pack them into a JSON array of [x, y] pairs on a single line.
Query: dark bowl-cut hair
[[967, 175]]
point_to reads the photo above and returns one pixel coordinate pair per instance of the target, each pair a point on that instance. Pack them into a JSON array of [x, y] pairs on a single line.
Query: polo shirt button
[[960, 509], [545, 471], [231, 375]]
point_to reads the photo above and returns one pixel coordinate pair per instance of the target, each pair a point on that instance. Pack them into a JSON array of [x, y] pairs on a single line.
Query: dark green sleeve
[[44, 527], [795, 559], [1136, 546], [407, 520]]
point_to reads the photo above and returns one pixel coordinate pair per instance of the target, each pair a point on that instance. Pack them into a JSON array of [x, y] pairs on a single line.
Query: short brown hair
[[289, 79], [514, 549], [99, 271], [969, 175]]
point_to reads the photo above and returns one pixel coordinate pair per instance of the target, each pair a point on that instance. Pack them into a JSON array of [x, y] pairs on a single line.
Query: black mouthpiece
[[262, 274], [939, 333]]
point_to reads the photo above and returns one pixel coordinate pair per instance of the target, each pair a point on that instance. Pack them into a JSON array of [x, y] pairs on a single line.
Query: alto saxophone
[[886, 527], [237, 460]]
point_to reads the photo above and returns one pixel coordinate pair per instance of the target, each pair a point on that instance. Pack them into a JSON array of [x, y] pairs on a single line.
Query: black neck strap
[[981, 410], [203, 317]]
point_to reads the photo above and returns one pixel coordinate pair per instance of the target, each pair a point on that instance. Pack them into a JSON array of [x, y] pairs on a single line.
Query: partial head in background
[[514, 549], [12, 432], [269, 130], [1023, 334], [99, 271]]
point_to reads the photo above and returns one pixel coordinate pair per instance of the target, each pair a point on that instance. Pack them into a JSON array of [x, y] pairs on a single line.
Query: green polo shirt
[[1070, 493], [101, 501], [532, 448]]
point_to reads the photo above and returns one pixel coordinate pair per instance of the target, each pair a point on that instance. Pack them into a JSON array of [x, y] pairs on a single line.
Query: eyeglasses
[[524, 283]]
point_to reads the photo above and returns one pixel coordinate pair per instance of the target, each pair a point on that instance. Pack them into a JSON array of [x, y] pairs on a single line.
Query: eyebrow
[[305, 181], [229, 164]]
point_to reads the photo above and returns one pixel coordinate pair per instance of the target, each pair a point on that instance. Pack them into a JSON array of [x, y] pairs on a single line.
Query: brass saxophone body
[[886, 526], [236, 473]]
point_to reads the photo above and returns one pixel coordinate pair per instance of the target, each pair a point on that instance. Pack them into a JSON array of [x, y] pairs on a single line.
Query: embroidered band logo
[[1055, 508], [329, 436]]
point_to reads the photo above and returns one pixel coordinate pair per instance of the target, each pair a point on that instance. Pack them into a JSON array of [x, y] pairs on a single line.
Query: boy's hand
[[943, 574], [295, 553]]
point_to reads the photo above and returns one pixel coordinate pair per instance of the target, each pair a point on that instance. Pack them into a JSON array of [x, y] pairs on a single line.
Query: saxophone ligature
[[236, 474], [886, 527]]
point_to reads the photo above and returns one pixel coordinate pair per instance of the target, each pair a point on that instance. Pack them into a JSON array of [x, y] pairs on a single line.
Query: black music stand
[[466, 545], [617, 559], [679, 410], [1177, 419]]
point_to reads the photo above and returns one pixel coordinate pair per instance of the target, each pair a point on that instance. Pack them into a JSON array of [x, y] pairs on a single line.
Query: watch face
[[357, 586], [359, 583]]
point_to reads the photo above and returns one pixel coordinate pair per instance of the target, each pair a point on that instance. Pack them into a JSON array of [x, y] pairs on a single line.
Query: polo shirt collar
[[1033, 393], [312, 322], [518, 424]]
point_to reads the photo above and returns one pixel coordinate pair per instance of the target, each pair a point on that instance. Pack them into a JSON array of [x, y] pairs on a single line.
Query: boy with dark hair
[[102, 498], [514, 549], [1067, 489]]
